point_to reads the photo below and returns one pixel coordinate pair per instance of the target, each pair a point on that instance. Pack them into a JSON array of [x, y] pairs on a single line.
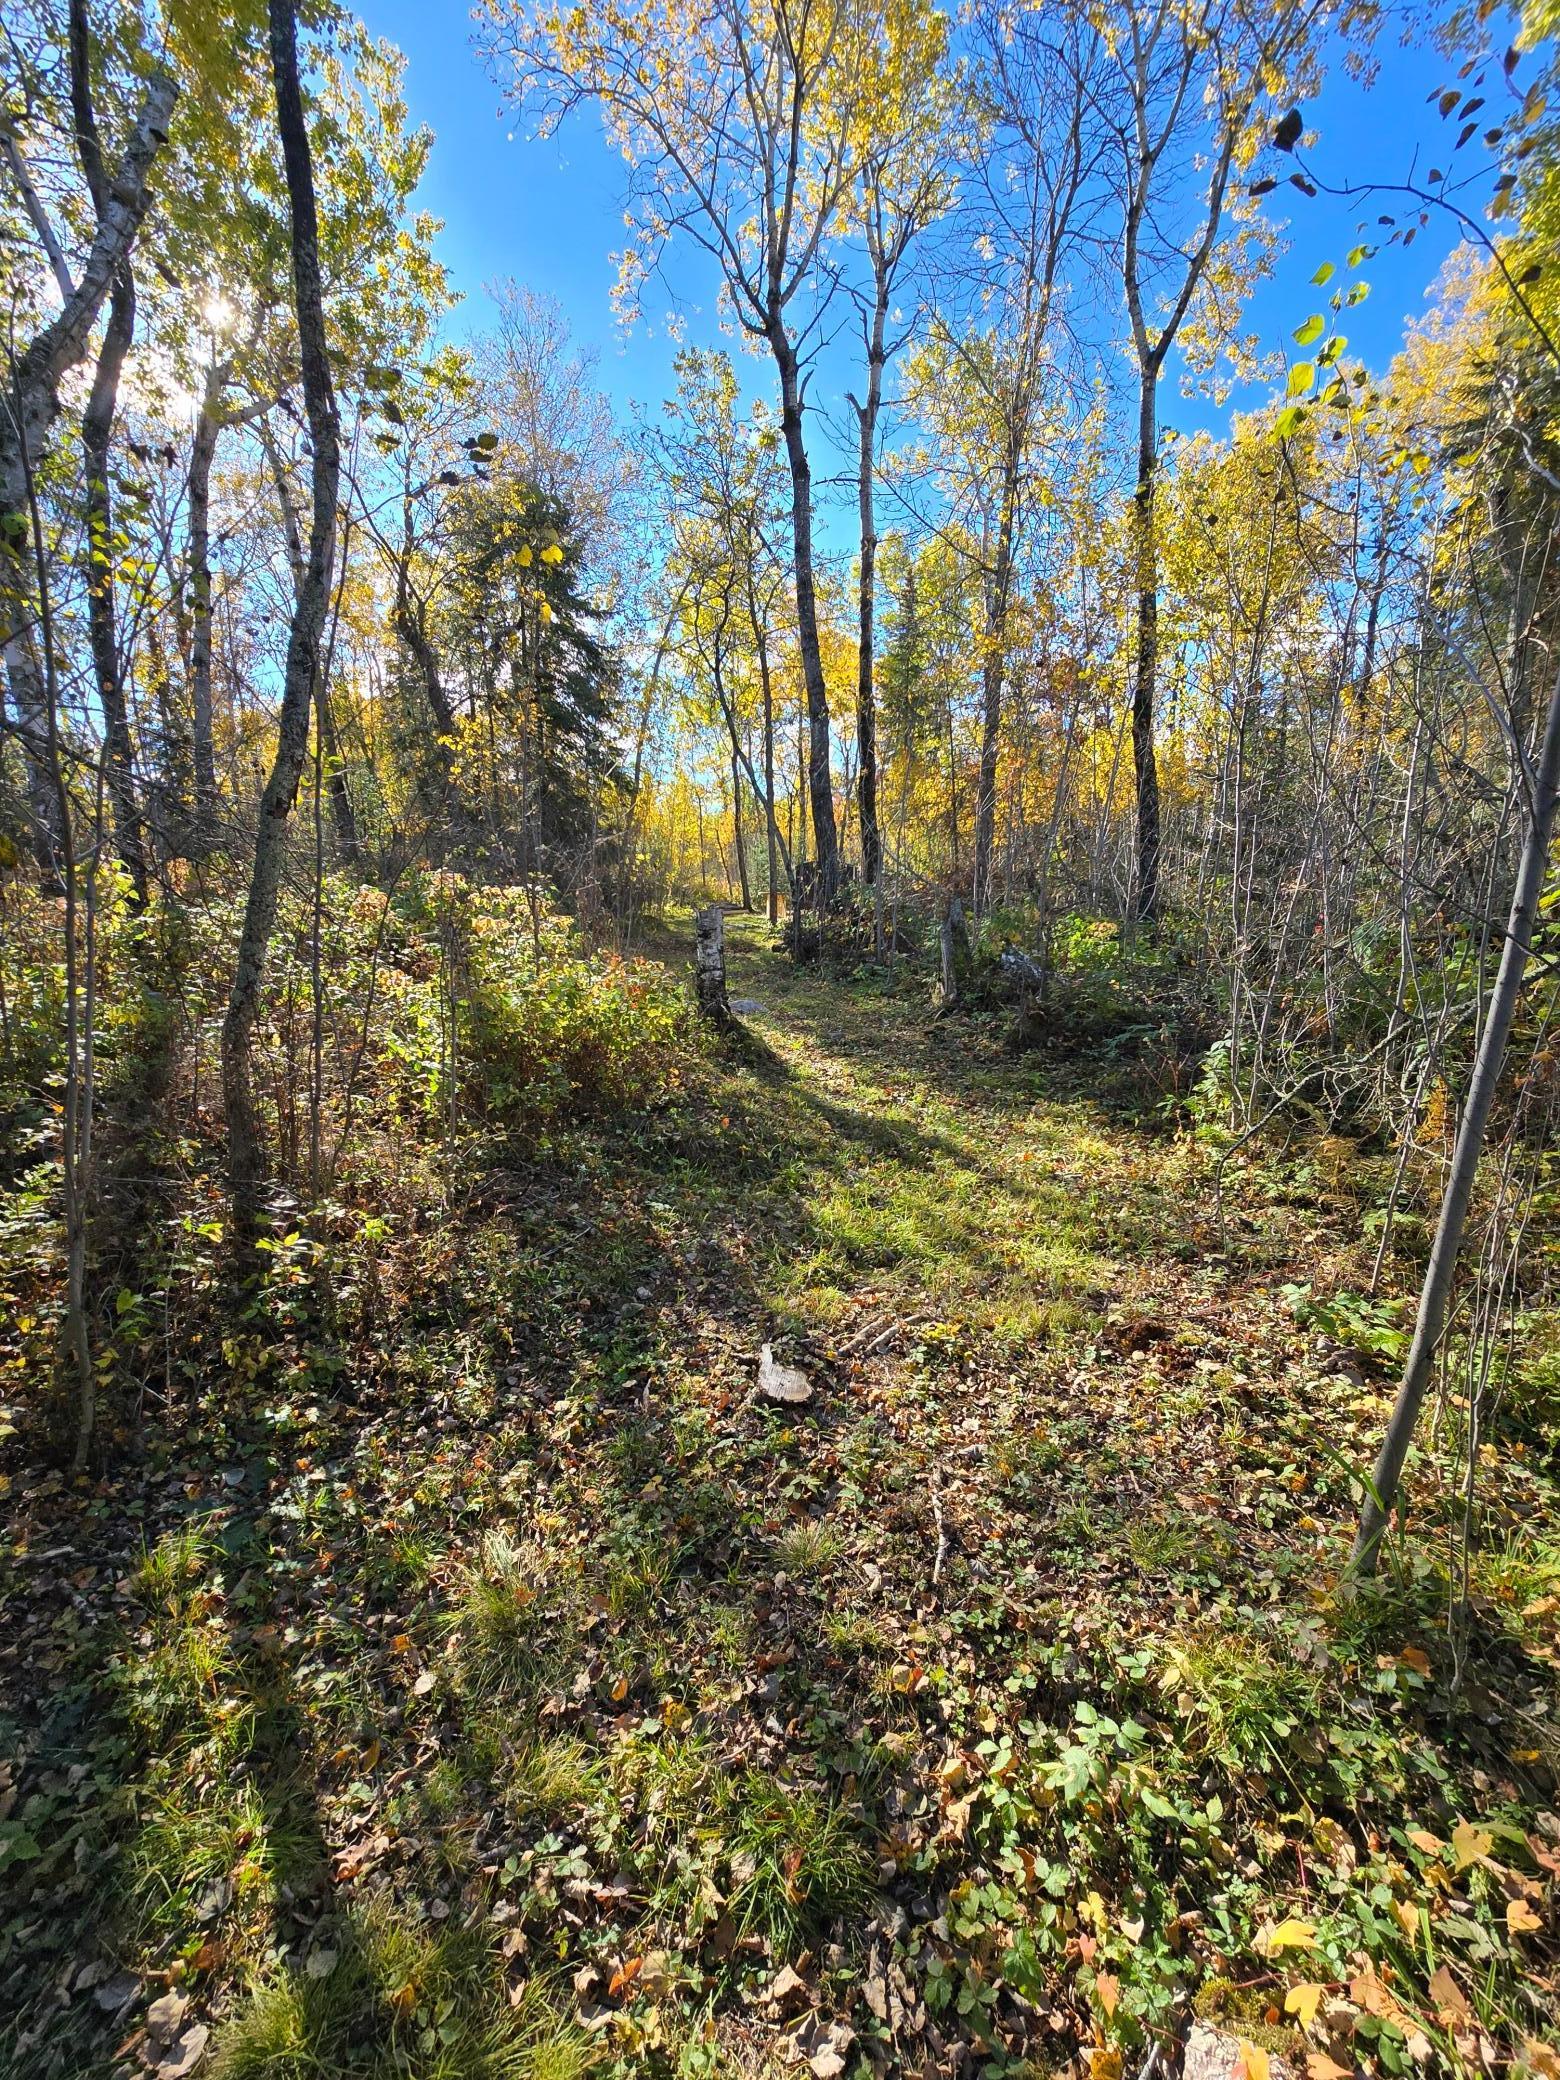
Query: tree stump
[[709, 965]]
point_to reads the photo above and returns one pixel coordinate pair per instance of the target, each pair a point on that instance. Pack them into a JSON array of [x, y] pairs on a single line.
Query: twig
[[942, 1531]]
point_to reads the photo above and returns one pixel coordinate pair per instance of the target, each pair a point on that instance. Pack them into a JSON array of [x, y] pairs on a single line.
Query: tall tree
[[985, 382], [738, 121], [904, 185], [1191, 81], [245, 1157]]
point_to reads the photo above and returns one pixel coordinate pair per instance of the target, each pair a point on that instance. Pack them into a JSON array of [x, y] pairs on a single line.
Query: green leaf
[[1311, 331], [1289, 421], [1301, 377], [1324, 274]]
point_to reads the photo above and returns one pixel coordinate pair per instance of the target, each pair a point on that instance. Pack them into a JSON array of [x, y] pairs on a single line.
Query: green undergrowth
[[460, 1669]]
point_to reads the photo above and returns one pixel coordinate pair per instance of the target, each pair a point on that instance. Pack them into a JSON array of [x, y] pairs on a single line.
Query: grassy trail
[[503, 1688]]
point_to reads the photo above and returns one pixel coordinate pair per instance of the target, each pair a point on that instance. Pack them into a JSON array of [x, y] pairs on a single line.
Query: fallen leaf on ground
[[1303, 2001], [1320, 2067], [1469, 1843], [186, 2054], [165, 2017], [1290, 1934], [1447, 1994]]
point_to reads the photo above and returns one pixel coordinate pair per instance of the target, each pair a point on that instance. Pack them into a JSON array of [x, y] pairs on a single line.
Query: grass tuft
[[397, 2002]]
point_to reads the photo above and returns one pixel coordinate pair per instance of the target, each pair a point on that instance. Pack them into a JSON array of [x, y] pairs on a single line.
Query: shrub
[[495, 990]]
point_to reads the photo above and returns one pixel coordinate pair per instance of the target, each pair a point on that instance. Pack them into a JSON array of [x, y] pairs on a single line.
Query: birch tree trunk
[[27, 412], [866, 706]]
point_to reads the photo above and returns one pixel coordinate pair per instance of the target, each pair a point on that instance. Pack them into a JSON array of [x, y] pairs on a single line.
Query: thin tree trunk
[[820, 781], [97, 425], [1145, 884], [410, 627], [1489, 1059], [202, 454], [866, 706], [641, 738], [303, 643], [771, 829], [775, 843], [343, 817], [993, 670], [736, 826]]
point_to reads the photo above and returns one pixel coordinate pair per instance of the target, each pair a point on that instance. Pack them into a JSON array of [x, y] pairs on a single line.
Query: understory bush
[[497, 1003]]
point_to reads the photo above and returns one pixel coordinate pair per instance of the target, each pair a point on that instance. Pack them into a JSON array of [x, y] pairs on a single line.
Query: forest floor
[[506, 1686]]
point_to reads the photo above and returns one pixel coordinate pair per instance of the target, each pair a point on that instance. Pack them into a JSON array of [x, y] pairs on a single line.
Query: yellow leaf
[[1254, 2061], [1292, 1934], [1417, 1659], [552, 553], [1427, 1843], [1108, 1987], [1408, 1914], [1469, 1843], [1541, 2058], [1302, 2002], [1521, 1920]]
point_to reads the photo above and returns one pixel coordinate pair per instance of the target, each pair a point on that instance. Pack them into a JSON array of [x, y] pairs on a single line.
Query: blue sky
[[550, 214]]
